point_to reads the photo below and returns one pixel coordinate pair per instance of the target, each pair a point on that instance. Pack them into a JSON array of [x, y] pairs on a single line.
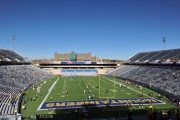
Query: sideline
[[134, 90], [49, 91]]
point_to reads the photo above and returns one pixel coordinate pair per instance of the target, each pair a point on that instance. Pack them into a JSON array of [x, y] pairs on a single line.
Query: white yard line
[[49, 91], [63, 89], [134, 90]]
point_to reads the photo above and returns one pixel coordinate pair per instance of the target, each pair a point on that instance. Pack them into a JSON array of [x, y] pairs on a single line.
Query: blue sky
[[115, 29]]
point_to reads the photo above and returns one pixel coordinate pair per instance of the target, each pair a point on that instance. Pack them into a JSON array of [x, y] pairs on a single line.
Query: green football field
[[83, 88], [80, 88]]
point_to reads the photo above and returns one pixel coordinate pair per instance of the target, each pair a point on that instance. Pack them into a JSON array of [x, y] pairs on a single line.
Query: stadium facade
[[72, 56], [80, 61]]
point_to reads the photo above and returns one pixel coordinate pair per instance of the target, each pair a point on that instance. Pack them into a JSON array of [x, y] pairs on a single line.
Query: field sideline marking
[[109, 97], [49, 91], [133, 90]]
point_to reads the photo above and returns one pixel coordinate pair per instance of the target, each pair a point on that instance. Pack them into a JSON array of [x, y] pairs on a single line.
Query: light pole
[[13, 39], [164, 42]]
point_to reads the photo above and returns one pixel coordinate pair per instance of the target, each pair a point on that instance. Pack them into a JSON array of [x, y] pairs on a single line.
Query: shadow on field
[[92, 112], [89, 112]]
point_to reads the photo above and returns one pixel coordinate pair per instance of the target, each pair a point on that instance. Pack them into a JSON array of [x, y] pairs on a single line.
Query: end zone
[[100, 103]]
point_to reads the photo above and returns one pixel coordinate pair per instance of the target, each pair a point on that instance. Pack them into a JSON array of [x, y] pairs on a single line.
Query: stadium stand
[[172, 55], [11, 56], [14, 79], [164, 79]]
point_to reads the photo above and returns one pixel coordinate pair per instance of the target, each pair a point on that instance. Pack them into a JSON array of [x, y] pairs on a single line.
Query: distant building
[[72, 56], [78, 61], [75, 58]]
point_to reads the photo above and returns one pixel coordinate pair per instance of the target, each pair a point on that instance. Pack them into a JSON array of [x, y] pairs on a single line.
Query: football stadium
[[145, 85], [89, 59]]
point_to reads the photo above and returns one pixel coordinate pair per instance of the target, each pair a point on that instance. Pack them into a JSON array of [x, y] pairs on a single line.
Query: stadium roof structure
[[10, 57], [172, 55]]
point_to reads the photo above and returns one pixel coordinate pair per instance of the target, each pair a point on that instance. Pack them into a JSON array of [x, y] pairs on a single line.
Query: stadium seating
[[154, 56], [162, 78], [11, 56], [14, 79]]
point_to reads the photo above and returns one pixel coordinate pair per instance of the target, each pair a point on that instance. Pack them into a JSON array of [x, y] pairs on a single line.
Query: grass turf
[[80, 88]]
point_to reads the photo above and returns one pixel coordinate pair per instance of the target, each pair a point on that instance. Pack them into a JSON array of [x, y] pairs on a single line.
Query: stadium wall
[[55, 68], [78, 72]]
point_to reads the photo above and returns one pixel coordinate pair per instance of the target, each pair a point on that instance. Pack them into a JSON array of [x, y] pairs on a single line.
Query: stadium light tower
[[164, 42], [13, 39]]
